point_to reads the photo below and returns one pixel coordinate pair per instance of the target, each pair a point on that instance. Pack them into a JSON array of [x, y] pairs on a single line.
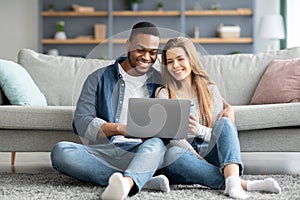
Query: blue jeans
[[183, 167], [98, 162]]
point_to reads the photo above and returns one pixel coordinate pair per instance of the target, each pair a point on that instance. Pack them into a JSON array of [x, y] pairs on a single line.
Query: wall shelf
[[74, 14], [237, 12], [153, 13], [149, 13], [163, 40], [72, 41]]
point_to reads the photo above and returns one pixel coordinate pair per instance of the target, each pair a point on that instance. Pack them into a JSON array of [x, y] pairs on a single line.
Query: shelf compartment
[[163, 40], [74, 14], [237, 12]]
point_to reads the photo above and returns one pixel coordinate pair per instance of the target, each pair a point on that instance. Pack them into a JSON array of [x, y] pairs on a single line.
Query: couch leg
[[13, 158]]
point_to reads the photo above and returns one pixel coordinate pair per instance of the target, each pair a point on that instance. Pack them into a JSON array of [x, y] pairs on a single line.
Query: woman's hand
[[227, 112], [194, 124]]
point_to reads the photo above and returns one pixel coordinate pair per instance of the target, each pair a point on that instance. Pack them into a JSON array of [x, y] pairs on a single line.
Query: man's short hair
[[144, 28]]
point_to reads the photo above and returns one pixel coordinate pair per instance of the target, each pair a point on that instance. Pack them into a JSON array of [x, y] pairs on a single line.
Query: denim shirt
[[101, 99]]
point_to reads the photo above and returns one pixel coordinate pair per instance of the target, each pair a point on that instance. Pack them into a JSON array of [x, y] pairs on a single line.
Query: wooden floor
[[26, 163], [255, 163]]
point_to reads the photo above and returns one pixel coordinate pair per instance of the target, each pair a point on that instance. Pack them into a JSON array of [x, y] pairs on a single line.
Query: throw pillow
[[18, 86], [279, 84]]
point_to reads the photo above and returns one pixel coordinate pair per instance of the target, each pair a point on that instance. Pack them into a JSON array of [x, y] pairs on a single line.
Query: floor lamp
[[272, 28]]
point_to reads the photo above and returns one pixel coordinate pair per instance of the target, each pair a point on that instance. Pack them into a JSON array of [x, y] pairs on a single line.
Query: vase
[[135, 6], [60, 35]]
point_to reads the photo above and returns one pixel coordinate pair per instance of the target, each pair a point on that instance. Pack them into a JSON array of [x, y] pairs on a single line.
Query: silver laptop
[[163, 118]]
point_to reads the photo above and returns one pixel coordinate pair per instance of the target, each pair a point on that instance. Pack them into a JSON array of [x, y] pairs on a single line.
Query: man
[[123, 165]]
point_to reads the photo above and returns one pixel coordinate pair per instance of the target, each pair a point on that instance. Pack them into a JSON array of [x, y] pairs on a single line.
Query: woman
[[212, 133]]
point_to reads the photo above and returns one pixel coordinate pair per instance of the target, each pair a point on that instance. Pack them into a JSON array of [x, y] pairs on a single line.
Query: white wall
[[264, 7], [18, 27], [293, 27]]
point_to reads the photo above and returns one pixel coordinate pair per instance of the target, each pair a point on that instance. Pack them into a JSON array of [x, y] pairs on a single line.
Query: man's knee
[[60, 151], [155, 144]]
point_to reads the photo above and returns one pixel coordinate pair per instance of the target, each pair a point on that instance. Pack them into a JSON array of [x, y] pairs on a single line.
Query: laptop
[[163, 118]]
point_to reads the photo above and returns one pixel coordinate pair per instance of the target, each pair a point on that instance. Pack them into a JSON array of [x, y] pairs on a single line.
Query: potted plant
[[51, 7], [60, 33], [160, 6], [134, 4]]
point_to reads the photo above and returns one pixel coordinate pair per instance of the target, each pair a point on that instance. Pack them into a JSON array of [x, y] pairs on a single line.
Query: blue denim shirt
[[101, 99]]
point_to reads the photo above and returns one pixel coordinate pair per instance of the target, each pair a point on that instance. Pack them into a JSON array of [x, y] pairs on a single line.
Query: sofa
[[271, 127]]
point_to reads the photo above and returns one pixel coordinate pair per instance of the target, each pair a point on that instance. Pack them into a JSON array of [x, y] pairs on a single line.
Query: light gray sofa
[[262, 128]]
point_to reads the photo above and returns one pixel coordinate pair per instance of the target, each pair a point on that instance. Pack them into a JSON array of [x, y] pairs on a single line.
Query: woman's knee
[[224, 126], [174, 154]]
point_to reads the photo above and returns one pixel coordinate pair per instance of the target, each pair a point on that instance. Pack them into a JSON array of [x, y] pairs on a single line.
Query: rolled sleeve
[[93, 129]]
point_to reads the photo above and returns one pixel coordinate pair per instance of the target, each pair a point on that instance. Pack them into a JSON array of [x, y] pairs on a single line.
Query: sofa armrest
[[3, 98]]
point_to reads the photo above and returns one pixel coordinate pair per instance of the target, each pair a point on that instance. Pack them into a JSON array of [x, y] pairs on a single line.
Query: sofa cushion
[[60, 78], [279, 84], [252, 117], [18, 85], [238, 75], [36, 117]]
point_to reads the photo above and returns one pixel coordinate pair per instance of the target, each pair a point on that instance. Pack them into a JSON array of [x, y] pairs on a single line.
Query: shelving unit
[[181, 21]]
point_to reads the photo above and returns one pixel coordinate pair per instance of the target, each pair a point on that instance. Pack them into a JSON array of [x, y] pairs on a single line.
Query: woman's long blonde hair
[[200, 78]]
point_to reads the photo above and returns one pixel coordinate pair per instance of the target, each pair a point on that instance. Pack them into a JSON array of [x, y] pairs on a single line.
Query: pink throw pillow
[[279, 84]]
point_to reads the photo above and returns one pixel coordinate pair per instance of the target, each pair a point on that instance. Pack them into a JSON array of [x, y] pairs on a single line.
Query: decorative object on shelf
[[50, 7], [160, 6], [215, 6], [272, 28], [196, 32], [134, 4], [60, 34], [78, 8], [100, 31], [197, 6], [229, 31], [53, 52], [235, 52]]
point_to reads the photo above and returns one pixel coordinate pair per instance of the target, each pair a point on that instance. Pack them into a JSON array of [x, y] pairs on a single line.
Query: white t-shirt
[[135, 87]]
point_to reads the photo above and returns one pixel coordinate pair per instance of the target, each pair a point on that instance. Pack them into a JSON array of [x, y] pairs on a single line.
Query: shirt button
[[122, 84], [121, 102]]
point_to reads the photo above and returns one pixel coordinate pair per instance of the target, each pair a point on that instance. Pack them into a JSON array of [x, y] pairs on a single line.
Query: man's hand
[[111, 129], [227, 112]]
